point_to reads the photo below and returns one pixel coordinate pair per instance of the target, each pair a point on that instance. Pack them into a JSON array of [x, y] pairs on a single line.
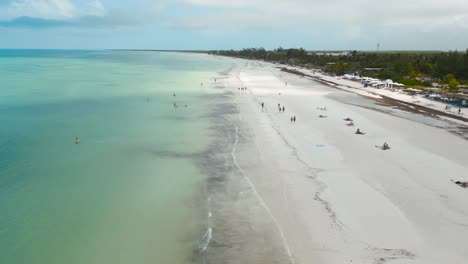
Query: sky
[[234, 24]]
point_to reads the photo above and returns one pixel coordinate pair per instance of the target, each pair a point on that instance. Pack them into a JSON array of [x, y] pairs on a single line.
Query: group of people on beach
[[281, 109], [447, 107], [350, 123], [385, 145]]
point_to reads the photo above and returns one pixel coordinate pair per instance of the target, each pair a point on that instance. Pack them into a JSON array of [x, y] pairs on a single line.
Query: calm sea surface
[[130, 191]]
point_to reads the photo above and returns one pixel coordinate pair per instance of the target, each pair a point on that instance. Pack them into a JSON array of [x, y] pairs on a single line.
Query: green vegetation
[[452, 83], [410, 68]]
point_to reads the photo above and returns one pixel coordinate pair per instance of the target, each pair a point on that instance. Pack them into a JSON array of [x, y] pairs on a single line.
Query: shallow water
[[131, 191]]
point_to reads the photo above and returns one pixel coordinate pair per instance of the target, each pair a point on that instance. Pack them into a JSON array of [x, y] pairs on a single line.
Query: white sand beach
[[358, 88], [336, 197]]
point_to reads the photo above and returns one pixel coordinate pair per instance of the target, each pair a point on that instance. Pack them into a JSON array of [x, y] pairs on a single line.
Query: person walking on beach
[[263, 106], [459, 110], [283, 109], [294, 119]]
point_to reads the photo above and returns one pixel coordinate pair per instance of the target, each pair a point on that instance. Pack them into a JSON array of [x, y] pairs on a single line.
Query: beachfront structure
[[335, 54], [373, 82]]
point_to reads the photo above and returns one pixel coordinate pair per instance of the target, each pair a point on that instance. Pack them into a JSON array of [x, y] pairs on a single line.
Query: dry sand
[[327, 195]]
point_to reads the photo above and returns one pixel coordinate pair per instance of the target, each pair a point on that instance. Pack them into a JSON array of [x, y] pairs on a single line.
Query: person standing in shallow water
[[294, 119], [283, 109]]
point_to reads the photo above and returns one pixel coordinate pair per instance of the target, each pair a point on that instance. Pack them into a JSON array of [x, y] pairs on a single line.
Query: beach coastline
[[308, 193]]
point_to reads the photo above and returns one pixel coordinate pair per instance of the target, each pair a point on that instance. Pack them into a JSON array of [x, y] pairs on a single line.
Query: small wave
[[205, 240]]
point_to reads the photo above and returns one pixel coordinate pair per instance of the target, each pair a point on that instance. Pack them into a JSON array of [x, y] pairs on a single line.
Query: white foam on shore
[[205, 240]]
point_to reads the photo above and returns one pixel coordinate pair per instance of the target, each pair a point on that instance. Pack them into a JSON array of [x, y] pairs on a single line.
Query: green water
[[130, 191]]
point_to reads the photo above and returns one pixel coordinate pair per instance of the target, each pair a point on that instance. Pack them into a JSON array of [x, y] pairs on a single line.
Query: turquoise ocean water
[[129, 192]]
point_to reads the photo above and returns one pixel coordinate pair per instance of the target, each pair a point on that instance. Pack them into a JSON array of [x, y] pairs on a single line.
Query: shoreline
[[238, 219]]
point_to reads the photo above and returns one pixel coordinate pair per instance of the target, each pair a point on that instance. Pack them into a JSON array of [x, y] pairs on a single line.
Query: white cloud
[[51, 9], [94, 8], [427, 14], [328, 21]]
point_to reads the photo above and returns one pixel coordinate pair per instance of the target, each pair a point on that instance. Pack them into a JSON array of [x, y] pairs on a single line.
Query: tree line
[[411, 68]]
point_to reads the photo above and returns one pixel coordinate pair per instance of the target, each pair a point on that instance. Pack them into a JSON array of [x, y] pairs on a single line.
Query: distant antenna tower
[[378, 45]]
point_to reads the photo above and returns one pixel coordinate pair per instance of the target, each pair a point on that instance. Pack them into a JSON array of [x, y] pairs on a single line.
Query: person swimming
[[77, 140], [359, 132], [385, 146]]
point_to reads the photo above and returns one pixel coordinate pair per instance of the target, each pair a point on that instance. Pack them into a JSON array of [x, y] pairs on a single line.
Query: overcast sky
[[235, 24]]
